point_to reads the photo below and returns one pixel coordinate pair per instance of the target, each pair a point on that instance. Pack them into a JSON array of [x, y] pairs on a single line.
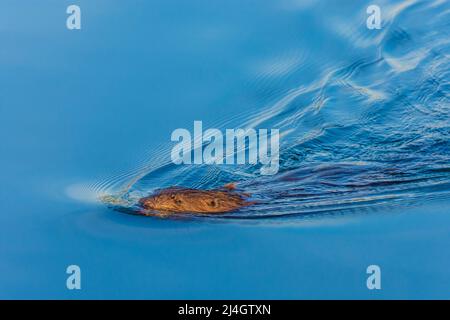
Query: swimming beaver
[[185, 200]]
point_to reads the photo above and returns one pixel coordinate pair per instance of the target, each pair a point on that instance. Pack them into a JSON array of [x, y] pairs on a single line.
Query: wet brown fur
[[184, 200]]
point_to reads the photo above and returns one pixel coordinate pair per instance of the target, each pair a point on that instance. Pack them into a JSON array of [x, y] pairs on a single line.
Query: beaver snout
[[148, 203]]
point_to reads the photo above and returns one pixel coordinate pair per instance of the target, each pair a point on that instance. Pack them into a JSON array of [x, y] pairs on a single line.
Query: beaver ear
[[172, 196], [230, 186], [215, 203]]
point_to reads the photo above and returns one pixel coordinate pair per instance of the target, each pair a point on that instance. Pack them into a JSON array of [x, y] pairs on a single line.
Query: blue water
[[86, 115]]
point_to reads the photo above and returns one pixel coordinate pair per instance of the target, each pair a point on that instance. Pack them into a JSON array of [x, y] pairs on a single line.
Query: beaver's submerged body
[[185, 200]]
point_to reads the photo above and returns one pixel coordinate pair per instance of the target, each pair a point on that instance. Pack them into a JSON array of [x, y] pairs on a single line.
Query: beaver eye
[[215, 203], [178, 201]]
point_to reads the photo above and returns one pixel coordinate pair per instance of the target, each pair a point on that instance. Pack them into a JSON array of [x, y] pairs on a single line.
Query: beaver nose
[[147, 203]]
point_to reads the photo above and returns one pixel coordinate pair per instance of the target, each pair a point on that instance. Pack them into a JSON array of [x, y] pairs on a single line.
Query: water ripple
[[364, 134]]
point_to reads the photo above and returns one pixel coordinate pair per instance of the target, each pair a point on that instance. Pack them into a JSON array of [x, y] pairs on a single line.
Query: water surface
[[364, 167]]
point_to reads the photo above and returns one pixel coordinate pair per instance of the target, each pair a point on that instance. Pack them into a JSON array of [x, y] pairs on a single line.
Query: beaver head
[[183, 200]]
